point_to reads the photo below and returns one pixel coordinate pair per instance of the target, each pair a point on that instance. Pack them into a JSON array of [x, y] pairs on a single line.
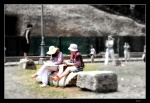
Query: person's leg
[[52, 68], [66, 72], [25, 55], [61, 69], [125, 56], [58, 77], [46, 73], [45, 77], [91, 58], [106, 57], [112, 56], [128, 56], [27, 50], [39, 72]]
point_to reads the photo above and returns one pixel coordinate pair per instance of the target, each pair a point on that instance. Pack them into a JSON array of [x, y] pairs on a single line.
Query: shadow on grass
[[105, 92]]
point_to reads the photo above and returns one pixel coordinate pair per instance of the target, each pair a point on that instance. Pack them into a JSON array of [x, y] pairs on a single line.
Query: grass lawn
[[131, 83]]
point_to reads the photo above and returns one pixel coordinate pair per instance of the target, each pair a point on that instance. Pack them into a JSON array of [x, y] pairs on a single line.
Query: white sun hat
[[52, 50], [73, 47]]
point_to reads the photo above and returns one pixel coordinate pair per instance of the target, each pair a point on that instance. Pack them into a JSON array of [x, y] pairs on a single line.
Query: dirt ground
[[13, 88]]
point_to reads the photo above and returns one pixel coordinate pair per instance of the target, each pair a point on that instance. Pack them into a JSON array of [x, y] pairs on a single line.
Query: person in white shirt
[[92, 53], [126, 51], [109, 50]]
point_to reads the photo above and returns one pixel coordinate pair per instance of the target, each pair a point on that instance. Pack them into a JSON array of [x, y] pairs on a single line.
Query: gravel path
[[14, 88]]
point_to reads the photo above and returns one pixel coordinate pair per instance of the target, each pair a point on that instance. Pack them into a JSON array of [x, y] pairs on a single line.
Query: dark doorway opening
[[11, 25]]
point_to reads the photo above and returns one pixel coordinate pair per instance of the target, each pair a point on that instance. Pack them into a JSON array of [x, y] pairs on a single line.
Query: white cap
[[73, 47]]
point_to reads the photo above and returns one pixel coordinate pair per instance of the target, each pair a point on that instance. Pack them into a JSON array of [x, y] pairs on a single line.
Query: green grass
[[33, 86], [133, 74]]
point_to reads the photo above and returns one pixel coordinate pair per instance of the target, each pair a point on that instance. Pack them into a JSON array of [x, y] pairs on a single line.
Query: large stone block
[[98, 81], [27, 64]]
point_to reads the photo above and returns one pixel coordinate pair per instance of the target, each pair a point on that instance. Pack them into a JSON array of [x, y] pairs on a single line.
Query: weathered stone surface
[[27, 64], [69, 80], [72, 20], [98, 81]]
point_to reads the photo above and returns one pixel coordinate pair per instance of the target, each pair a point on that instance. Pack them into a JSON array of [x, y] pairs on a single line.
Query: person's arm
[[106, 43], [50, 58], [27, 33], [70, 63], [78, 61], [94, 52], [128, 46], [60, 59]]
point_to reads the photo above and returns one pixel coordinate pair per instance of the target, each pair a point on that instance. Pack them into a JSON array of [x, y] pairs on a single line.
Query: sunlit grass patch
[[33, 86], [131, 77]]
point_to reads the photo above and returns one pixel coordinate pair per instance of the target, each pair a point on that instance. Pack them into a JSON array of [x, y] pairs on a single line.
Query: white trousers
[[111, 53], [126, 55], [44, 71]]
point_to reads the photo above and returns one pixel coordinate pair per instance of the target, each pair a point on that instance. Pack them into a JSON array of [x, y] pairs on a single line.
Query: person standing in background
[[26, 41], [109, 50], [126, 51], [92, 53]]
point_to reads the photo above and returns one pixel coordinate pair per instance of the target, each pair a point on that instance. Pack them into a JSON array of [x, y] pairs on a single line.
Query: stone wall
[[72, 20]]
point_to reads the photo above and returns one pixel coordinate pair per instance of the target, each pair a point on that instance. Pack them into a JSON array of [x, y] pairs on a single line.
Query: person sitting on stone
[[75, 64], [56, 59]]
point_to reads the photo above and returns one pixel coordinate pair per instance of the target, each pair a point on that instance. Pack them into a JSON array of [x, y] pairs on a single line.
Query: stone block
[[98, 81], [27, 64]]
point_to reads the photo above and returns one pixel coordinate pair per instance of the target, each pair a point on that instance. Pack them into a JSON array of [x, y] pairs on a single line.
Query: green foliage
[[137, 13]]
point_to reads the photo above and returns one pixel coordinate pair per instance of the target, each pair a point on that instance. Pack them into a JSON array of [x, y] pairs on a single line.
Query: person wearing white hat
[[56, 58], [109, 50], [126, 51], [75, 64]]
